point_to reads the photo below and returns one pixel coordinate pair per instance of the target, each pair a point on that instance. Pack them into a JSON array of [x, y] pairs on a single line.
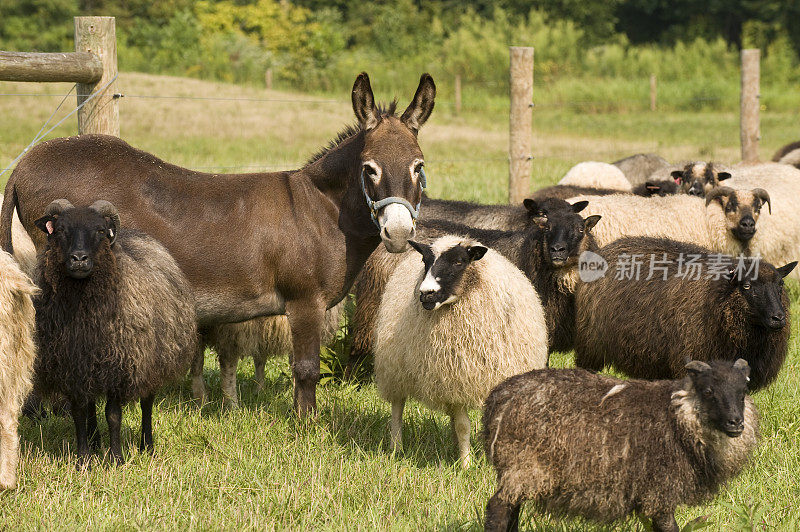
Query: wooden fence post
[[98, 36], [520, 146], [268, 79], [458, 94], [653, 92], [749, 119]]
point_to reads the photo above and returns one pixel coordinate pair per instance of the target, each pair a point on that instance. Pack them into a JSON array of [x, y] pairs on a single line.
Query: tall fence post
[[457, 94], [268, 79], [653, 92], [98, 35], [749, 118], [520, 146]]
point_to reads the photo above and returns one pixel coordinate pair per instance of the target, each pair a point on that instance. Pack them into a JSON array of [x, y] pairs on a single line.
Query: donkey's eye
[[418, 167], [369, 169]]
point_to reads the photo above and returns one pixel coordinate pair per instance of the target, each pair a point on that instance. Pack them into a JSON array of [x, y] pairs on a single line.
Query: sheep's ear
[[591, 221], [652, 188], [423, 249], [578, 206], [696, 367], [787, 269], [45, 223], [742, 365], [722, 176], [530, 205], [476, 252], [677, 175]]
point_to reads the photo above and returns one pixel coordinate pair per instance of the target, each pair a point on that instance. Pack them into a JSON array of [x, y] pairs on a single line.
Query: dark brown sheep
[[581, 444], [696, 304], [115, 318]]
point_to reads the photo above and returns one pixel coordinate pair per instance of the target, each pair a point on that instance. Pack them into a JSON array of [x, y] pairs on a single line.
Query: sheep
[[17, 356], [596, 175], [261, 339], [778, 236], [789, 154], [702, 221], [483, 216], [115, 317], [698, 178], [567, 192], [682, 299], [581, 444], [449, 331], [24, 250], [547, 252], [638, 168]]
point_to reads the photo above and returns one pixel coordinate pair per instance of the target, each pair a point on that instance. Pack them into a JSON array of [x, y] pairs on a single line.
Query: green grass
[[260, 467]]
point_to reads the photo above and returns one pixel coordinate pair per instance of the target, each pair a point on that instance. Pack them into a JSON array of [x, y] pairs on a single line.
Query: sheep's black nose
[[558, 248], [695, 191], [79, 257], [747, 223], [735, 425]]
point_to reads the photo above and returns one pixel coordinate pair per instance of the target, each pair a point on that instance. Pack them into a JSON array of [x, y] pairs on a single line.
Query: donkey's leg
[[259, 363], [198, 384], [228, 362], [114, 419], [396, 429], [305, 320], [95, 442], [146, 441], [460, 422], [9, 446]]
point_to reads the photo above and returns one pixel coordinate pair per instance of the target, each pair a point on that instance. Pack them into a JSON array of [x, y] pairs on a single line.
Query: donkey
[[252, 244]]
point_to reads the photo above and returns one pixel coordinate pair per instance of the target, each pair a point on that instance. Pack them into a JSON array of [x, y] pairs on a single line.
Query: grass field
[[259, 467]]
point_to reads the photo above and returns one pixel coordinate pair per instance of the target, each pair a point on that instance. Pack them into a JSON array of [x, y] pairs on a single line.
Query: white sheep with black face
[[452, 326]]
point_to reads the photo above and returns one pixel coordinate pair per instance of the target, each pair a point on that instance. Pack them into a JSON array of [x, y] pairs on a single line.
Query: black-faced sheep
[[17, 356], [778, 236], [261, 339], [638, 168], [789, 154], [661, 301], [581, 444], [452, 326], [547, 252], [698, 178], [596, 175], [115, 317], [680, 217]]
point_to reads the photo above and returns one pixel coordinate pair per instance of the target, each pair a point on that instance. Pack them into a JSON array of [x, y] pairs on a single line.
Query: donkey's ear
[[364, 102], [422, 105]]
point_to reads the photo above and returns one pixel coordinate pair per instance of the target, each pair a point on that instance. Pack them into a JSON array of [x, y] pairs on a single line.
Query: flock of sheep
[[467, 319]]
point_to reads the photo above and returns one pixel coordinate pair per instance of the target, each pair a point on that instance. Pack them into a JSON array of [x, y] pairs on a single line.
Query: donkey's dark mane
[[350, 130]]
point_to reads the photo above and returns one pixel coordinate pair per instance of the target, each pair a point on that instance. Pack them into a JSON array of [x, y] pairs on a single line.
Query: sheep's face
[[443, 282], [77, 236], [697, 179], [741, 209], [762, 289], [721, 387], [564, 235]]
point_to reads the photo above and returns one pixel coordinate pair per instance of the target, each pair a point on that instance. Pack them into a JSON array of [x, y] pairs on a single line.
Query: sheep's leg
[[227, 375], [79, 410], [114, 419], [396, 429], [501, 516], [259, 362], [198, 384], [305, 320], [91, 426], [9, 449], [146, 441], [665, 523], [459, 419]]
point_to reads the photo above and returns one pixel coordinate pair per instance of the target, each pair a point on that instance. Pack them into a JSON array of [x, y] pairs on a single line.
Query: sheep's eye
[[746, 286], [101, 231], [708, 392]]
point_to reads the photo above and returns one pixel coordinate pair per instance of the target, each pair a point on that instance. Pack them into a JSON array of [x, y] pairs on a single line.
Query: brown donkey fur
[[250, 244]]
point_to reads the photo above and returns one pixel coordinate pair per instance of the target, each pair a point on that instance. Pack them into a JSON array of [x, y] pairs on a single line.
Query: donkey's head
[[392, 175]]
